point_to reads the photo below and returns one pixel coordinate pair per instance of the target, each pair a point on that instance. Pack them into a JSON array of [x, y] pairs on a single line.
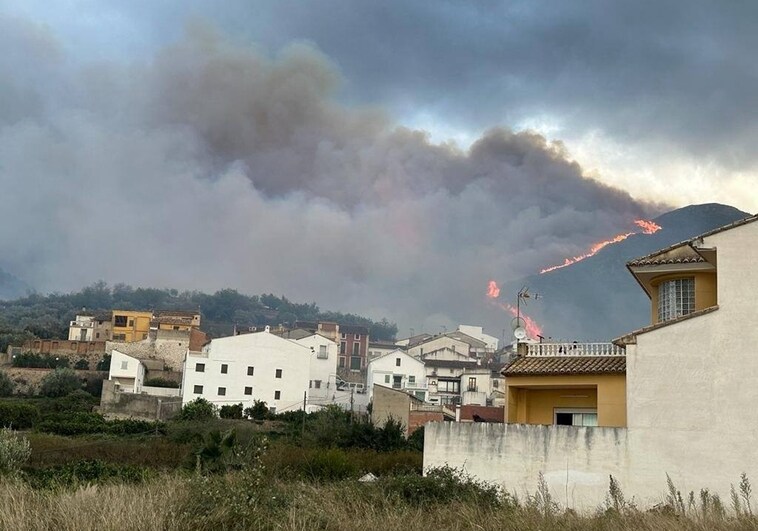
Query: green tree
[[60, 382], [258, 411], [198, 409], [231, 411], [7, 386]]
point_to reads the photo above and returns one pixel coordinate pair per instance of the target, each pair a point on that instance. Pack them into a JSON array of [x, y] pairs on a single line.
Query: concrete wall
[[117, 404], [390, 403]]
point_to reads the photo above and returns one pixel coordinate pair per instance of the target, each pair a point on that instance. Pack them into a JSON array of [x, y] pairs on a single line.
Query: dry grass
[[168, 504]]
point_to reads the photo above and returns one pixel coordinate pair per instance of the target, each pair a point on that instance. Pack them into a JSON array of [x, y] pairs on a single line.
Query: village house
[[89, 327], [398, 370], [689, 390], [128, 325]]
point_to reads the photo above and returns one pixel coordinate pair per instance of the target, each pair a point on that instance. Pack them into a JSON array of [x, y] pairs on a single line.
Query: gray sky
[[386, 158]]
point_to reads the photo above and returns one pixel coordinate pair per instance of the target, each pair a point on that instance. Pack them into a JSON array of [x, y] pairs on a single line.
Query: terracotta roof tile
[[550, 365]]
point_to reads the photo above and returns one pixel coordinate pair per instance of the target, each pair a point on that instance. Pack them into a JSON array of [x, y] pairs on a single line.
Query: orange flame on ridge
[[493, 292], [648, 227], [533, 330]]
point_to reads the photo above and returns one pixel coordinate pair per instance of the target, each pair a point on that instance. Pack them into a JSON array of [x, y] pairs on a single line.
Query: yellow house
[[130, 326], [575, 384]]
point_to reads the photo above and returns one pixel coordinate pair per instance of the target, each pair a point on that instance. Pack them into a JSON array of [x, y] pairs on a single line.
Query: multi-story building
[[175, 320], [88, 327], [398, 370], [129, 326], [249, 367]]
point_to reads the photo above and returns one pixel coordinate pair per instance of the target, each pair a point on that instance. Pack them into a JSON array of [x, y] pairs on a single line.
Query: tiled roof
[[551, 365], [657, 259]]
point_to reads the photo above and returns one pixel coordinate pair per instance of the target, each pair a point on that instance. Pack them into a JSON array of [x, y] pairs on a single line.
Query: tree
[[60, 382], [198, 409], [7, 386], [259, 410], [231, 411]]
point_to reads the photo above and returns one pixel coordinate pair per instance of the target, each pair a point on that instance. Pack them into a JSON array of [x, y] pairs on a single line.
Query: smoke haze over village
[[335, 155]]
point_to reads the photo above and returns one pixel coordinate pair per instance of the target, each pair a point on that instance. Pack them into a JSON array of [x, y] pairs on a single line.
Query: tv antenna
[[518, 325]]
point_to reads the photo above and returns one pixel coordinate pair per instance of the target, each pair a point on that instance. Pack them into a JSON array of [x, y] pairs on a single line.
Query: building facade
[[90, 328], [398, 370], [129, 326]]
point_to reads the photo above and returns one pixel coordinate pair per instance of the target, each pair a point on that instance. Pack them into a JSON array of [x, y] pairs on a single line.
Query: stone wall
[[116, 404]]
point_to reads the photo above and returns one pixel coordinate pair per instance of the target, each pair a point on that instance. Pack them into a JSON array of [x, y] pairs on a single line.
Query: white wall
[[264, 352], [322, 371], [691, 412], [128, 371], [382, 371], [437, 343], [478, 333]]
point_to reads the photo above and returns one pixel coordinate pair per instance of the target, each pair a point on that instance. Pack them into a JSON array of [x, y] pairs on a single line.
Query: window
[[386, 378], [224, 368], [317, 384], [397, 362], [411, 379], [250, 371], [355, 363], [322, 353], [119, 337], [343, 336], [131, 322], [222, 391], [356, 349], [124, 365], [342, 362], [448, 386], [200, 367], [248, 391], [278, 373], [97, 335], [119, 320], [397, 382], [277, 395], [676, 298], [576, 417], [176, 328], [357, 337], [198, 390], [343, 347]]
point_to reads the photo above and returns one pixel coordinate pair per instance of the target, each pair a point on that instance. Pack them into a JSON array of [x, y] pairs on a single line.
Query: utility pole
[[351, 404], [305, 394]]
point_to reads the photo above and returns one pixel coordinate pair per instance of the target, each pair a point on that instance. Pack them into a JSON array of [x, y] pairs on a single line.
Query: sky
[[380, 158]]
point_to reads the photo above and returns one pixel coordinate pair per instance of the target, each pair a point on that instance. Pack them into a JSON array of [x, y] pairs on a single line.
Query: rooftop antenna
[[518, 324]]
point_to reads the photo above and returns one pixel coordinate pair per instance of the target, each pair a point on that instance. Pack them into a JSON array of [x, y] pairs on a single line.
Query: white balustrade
[[574, 349]]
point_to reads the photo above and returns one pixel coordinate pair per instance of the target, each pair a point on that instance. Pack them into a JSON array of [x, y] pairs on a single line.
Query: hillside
[[597, 298], [11, 287]]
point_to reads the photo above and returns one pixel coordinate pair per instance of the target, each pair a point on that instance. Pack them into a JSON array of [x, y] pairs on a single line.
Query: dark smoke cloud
[[214, 165]]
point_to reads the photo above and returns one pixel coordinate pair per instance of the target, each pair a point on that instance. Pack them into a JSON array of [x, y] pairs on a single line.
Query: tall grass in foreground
[[240, 501]]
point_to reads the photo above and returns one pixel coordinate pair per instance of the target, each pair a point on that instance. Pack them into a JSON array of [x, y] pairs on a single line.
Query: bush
[[442, 485], [104, 364], [258, 411], [161, 382], [198, 409], [39, 361], [84, 423], [7, 386], [86, 471], [79, 400], [18, 415], [14, 452], [81, 365], [60, 382], [231, 411], [416, 439]]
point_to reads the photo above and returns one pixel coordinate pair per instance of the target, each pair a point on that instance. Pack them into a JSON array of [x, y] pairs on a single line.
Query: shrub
[[79, 400], [416, 439], [161, 382], [258, 411], [60, 382], [82, 364], [18, 415], [442, 485], [198, 409], [104, 364], [39, 361], [7, 386], [14, 452], [86, 471], [73, 424], [231, 411]]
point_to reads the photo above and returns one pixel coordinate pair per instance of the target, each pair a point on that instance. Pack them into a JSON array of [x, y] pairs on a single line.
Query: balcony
[[554, 349]]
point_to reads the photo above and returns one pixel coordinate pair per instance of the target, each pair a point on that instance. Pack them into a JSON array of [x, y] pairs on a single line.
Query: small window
[[250, 371], [357, 337], [342, 362], [224, 368], [278, 373], [343, 347], [356, 349], [397, 362], [317, 384], [222, 391], [322, 353], [277, 395], [200, 367], [97, 335], [386, 378], [248, 391], [344, 336], [355, 363], [131, 322], [176, 328], [472, 384], [198, 390], [411, 379], [124, 365]]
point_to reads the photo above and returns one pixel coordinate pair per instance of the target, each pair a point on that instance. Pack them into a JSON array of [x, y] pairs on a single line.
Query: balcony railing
[[574, 349]]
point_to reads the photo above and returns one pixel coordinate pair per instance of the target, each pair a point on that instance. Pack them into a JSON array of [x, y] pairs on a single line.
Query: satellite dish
[[517, 322], [519, 332]]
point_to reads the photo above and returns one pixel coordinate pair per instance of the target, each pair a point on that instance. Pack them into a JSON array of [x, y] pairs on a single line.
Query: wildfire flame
[[493, 292], [648, 227], [533, 330]]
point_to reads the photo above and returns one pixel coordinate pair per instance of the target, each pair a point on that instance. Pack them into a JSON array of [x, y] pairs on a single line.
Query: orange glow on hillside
[[533, 330], [648, 227], [493, 292]]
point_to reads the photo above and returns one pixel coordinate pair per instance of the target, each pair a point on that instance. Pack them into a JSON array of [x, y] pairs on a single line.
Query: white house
[[324, 356], [478, 333], [249, 367], [398, 370], [420, 350], [90, 328], [127, 372], [689, 386]]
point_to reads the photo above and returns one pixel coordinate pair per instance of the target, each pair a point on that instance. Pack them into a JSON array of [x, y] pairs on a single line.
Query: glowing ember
[[648, 227], [493, 292]]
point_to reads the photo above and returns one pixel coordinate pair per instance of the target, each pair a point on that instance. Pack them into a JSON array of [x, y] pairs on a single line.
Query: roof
[[658, 257], [463, 336], [552, 365], [450, 364], [353, 329], [631, 337]]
